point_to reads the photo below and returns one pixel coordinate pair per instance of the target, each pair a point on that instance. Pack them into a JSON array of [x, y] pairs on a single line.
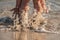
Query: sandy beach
[[54, 18]]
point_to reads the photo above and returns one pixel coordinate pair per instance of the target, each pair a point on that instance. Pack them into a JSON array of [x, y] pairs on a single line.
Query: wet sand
[[54, 18]]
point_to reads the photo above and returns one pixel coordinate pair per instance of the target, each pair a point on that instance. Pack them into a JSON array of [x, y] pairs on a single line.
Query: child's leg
[[37, 18], [21, 10], [40, 5], [43, 4], [24, 10], [18, 3], [24, 5], [37, 5], [23, 20]]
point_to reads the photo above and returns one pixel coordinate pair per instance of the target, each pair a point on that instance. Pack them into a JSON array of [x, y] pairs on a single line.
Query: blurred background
[[54, 17]]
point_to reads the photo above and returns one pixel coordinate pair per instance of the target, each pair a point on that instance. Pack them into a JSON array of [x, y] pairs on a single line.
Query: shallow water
[[54, 17]]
